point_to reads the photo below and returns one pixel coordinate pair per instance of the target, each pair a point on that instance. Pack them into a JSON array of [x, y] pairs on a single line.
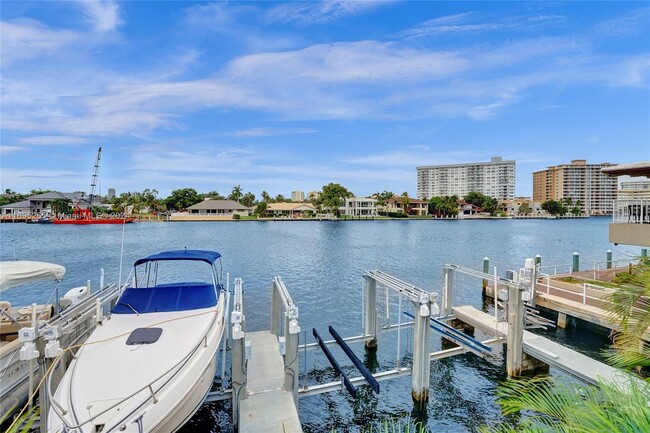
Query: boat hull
[[85, 221], [118, 406]]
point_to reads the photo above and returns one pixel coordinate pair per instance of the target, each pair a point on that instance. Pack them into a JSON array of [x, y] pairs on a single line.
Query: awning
[[22, 272]]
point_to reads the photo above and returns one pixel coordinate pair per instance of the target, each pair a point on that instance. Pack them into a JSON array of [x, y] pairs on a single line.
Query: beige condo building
[[579, 181]]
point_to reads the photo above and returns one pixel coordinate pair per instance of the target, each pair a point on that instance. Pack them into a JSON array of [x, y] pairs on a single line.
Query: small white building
[[360, 206], [219, 207], [290, 210]]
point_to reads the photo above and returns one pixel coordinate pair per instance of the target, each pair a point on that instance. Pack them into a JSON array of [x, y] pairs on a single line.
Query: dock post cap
[[575, 253], [608, 251], [537, 255], [486, 258]]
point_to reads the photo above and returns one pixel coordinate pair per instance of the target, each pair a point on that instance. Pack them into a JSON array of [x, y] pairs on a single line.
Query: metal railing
[[568, 267], [612, 266], [544, 286], [631, 212]]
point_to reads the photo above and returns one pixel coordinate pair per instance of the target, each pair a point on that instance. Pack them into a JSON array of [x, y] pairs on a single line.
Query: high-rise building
[[495, 178], [297, 196], [111, 192], [583, 183]]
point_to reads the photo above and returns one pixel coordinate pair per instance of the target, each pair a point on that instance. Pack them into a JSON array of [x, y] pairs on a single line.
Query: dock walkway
[[267, 408], [553, 354]]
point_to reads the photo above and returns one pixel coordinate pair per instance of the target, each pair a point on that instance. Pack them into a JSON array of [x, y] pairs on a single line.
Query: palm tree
[[405, 202], [61, 205], [608, 408], [236, 193]]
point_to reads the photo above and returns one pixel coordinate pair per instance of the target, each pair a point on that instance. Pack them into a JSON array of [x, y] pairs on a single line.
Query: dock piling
[[486, 270], [421, 360], [644, 252], [447, 292], [515, 337], [609, 259], [576, 262], [370, 320]]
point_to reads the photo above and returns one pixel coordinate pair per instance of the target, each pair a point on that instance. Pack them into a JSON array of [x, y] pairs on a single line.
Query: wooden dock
[[267, 407], [551, 353]]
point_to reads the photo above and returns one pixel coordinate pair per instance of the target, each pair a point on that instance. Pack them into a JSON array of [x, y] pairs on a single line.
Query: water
[[321, 264]]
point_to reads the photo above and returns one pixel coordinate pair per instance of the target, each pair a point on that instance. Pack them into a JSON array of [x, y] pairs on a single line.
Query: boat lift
[[285, 329]]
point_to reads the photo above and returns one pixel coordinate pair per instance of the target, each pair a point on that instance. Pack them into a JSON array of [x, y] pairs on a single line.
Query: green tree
[[554, 207], [280, 198], [524, 209], [150, 199], [248, 199], [61, 206], [333, 196], [12, 198], [382, 197], [405, 202], [236, 193], [266, 198], [261, 209], [213, 195], [487, 203], [576, 211], [182, 198], [444, 206]]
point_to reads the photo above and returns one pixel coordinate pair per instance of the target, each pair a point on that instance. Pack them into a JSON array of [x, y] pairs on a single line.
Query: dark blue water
[[321, 264]]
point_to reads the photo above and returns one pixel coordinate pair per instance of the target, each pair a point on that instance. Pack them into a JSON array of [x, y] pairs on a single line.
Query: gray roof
[[219, 205], [20, 204], [53, 195]]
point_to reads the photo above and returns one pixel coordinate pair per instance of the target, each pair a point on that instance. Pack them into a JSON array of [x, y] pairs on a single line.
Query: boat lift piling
[[282, 305], [424, 304]]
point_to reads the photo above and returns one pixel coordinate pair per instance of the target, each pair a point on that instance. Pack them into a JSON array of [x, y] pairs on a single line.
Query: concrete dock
[[267, 407], [547, 351]]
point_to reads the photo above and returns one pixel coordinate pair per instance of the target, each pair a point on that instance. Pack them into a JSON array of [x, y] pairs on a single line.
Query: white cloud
[[268, 132], [53, 140], [26, 38], [317, 12], [104, 16], [5, 150]]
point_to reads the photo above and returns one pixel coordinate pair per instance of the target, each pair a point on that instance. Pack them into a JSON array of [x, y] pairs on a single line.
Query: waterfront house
[[631, 217], [465, 209], [415, 206], [290, 210], [359, 206], [40, 204], [219, 208]]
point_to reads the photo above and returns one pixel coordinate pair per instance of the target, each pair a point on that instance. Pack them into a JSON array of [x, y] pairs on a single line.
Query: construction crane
[[93, 182], [78, 212]]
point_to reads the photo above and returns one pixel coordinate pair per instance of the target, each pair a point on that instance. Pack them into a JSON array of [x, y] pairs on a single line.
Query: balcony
[[630, 223]]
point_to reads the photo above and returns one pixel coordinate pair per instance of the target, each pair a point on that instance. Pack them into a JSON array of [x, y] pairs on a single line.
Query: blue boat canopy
[[198, 255]]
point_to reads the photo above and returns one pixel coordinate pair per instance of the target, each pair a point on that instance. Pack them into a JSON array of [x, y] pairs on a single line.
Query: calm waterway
[[321, 264]]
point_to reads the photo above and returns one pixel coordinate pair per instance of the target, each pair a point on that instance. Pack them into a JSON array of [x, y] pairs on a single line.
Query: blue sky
[[291, 96]]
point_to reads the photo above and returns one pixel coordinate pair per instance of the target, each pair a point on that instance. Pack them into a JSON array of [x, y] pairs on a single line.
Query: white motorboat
[[29, 334], [150, 365]]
